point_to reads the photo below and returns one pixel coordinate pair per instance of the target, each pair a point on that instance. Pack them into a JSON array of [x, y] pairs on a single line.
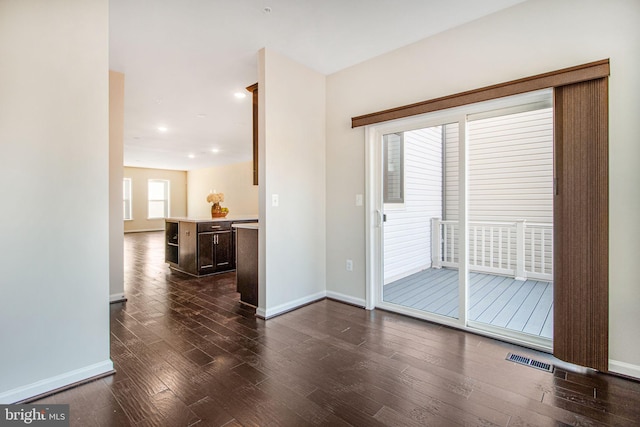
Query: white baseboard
[[346, 299], [624, 368], [289, 306], [119, 297], [54, 383]]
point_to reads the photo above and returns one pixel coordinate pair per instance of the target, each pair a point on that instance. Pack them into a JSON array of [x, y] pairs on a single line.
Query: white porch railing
[[520, 249]]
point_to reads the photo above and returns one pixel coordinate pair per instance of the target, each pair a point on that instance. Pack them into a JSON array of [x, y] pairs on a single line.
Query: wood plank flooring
[[523, 306], [187, 353]]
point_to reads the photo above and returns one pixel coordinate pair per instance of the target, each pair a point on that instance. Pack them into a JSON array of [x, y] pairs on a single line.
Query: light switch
[[275, 200], [358, 199]]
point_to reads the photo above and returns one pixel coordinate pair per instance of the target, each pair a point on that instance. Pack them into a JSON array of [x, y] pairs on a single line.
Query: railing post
[[521, 273], [436, 241]]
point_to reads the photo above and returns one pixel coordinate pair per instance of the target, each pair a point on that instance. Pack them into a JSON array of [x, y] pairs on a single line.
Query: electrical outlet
[[349, 265], [359, 199], [275, 200]]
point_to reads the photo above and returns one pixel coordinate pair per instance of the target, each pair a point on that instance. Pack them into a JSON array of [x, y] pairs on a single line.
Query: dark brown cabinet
[[247, 265], [214, 247], [199, 247], [214, 252]]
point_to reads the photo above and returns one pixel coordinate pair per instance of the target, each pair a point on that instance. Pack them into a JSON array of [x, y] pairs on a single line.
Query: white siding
[[511, 167], [407, 231], [451, 161]]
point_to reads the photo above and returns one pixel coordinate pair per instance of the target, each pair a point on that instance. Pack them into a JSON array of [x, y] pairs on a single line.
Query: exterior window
[[158, 196], [393, 164], [126, 198]]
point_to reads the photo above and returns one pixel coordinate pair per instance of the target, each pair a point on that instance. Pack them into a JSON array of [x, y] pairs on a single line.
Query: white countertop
[[247, 225], [207, 219]]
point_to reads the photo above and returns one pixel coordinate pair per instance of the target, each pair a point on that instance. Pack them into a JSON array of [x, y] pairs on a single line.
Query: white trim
[[53, 383], [289, 306], [348, 299], [117, 297], [624, 368]]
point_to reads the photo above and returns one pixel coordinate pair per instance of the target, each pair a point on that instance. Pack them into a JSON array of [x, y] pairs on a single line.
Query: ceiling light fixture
[[162, 129], [192, 156], [267, 9], [240, 95], [215, 150], [201, 116]]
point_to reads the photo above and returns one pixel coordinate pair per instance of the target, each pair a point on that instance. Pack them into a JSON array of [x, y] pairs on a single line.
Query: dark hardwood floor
[[187, 353]]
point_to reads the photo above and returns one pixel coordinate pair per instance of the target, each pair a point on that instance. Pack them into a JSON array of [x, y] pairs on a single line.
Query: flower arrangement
[[216, 210], [215, 198]]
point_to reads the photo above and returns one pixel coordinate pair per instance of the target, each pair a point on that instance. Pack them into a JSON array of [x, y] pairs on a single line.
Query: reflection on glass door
[[420, 228]]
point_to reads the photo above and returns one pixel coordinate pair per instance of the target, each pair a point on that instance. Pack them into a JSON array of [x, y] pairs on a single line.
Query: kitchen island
[[202, 246]]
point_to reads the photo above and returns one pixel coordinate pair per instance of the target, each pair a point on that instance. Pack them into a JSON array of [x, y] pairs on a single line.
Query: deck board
[[523, 306]]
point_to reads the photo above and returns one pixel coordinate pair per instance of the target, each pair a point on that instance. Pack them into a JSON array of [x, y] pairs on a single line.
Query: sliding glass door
[[464, 217]]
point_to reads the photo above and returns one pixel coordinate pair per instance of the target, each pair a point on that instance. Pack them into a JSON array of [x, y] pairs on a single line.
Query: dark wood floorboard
[[188, 354]]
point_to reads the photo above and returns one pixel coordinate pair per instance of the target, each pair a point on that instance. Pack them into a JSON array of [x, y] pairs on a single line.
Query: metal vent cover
[[523, 360]]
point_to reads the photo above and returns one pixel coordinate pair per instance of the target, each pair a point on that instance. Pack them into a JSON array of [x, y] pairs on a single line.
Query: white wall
[[54, 135], [292, 166], [116, 155], [527, 39], [235, 181]]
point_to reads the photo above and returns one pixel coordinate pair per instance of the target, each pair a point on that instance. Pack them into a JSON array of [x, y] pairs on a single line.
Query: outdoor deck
[[524, 306]]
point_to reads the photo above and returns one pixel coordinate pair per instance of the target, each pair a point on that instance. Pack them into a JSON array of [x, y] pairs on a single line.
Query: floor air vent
[[522, 360]]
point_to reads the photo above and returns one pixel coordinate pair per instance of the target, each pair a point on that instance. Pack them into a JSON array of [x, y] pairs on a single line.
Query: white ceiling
[[184, 60]]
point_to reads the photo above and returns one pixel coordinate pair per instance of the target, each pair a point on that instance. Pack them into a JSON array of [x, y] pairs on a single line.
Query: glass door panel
[[510, 219], [420, 227]]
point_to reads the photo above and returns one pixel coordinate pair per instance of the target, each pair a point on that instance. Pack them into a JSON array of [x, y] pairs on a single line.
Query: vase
[[217, 212]]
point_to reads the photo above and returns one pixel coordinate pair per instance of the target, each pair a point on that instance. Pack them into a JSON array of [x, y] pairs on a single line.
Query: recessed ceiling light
[[267, 9], [201, 116], [162, 129], [240, 95], [192, 156], [215, 150]]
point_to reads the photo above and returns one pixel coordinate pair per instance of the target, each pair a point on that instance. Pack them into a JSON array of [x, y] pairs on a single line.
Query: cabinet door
[[222, 248], [205, 253]]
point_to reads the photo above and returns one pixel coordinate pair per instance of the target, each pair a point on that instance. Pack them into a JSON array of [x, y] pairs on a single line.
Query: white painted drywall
[[292, 166], [54, 135], [234, 180], [527, 39], [116, 155]]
